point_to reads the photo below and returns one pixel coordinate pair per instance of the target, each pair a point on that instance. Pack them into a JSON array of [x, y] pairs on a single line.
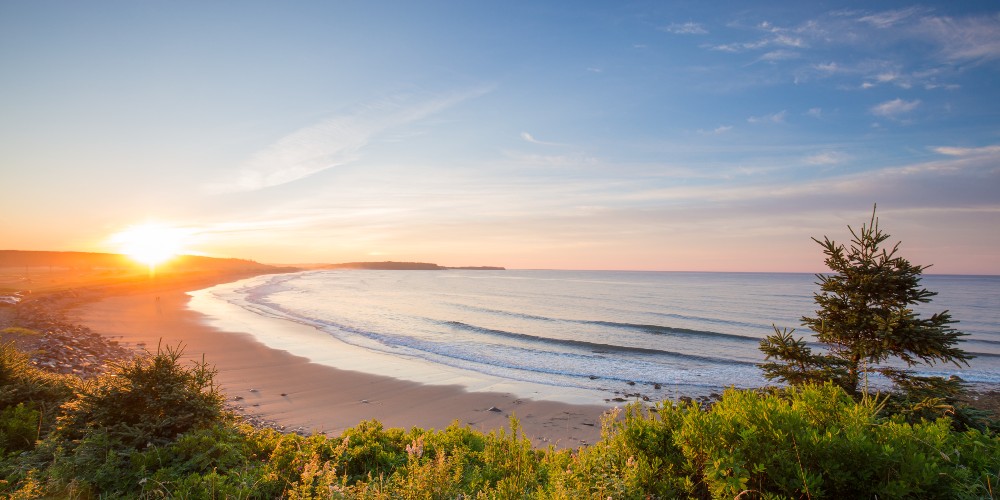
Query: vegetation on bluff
[[155, 428]]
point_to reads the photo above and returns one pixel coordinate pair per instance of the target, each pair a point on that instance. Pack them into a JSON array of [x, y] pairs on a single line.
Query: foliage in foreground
[[803, 442]]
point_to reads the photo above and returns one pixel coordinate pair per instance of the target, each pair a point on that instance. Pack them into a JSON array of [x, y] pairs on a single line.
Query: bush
[[817, 442], [148, 400], [19, 427], [22, 384], [636, 457], [156, 430]]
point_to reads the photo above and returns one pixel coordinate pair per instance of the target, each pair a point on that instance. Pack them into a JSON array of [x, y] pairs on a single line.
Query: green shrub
[[19, 427], [374, 450], [212, 462], [156, 430], [817, 442], [22, 383], [148, 400], [636, 457]]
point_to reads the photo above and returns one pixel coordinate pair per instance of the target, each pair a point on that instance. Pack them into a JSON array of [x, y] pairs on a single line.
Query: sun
[[150, 243]]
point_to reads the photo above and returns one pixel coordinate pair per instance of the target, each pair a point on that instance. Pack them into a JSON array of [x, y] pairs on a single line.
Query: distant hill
[[404, 266], [88, 260]]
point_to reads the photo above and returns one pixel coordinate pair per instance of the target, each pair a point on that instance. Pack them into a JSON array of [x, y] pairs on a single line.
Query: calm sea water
[[691, 333]]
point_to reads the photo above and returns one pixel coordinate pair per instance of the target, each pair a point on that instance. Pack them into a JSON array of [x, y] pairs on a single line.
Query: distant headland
[[112, 261], [406, 266]]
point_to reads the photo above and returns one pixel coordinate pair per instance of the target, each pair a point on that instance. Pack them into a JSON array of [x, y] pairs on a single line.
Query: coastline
[[298, 395]]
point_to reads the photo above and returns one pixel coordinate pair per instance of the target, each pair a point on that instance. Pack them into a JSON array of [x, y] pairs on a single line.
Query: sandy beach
[[303, 396]]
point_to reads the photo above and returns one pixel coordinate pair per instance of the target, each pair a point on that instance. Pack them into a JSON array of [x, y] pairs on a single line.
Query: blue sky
[[591, 135]]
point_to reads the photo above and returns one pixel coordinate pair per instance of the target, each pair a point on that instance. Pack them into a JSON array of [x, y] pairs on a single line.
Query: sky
[[650, 135]]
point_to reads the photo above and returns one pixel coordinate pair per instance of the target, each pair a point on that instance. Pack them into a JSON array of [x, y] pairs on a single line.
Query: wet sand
[[303, 396]]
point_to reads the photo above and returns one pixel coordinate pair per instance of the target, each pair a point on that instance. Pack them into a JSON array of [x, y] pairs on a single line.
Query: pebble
[[62, 346], [65, 347]]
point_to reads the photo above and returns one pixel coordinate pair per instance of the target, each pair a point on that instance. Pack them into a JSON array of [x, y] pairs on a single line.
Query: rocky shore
[[40, 326]]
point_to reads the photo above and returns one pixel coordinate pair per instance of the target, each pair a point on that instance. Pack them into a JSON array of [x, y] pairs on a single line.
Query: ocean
[[578, 336]]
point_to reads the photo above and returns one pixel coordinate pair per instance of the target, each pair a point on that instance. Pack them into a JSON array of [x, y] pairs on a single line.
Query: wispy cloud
[[335, 141], [530, 138], [721, 129], [907, 48], [776, 37], [778, 117], [688, 28], [964, 39], [961, 181], [894, 108], [828, 67], [772, 41], [890, 18], [779, 55], [956, 151], [827, 158]]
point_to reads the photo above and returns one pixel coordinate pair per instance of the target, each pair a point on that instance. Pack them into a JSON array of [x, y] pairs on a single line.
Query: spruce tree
[[864, 319]]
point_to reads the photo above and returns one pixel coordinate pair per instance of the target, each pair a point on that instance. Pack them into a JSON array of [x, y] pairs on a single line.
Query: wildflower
[[416, 448]]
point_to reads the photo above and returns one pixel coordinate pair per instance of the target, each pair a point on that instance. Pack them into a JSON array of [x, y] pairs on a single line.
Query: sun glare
[[151, 244]]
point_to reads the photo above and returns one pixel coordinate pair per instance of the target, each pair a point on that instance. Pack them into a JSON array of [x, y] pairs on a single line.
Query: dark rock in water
[[631, 382], [657, 386], [594, 377], [494, 408], [618, 400]]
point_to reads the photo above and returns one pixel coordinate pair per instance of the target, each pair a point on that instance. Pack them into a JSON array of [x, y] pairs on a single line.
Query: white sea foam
[[560, 335]]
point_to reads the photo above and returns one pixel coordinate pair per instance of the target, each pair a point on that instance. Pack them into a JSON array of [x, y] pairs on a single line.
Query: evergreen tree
[[865, 318]]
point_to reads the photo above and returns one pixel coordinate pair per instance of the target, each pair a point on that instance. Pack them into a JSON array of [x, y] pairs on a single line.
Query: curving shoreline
[[274, 388], [296, 394]]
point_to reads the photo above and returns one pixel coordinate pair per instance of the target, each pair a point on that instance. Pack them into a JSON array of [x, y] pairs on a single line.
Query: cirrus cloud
[[687, 28], [335, 141], [895, 107]]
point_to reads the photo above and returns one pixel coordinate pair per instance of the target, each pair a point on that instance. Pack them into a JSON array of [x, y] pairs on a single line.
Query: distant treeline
[[88, 260], [404, 266]]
